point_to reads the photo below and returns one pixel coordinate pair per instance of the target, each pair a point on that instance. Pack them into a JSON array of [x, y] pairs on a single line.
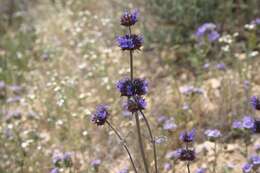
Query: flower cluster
[[129, 18], [208, 31], [252, 165], [101, 114], [187, 154], [132, 88], [60, 160], [130, 42], [247, 123], [135, 104]]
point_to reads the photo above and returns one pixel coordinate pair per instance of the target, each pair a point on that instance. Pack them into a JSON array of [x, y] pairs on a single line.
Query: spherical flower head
[[100, 116], [255, 102], [129, 18], [213, 133], [125, 87], [247, 168], [188, 136], [135, 104], [131, 88], [140, 86], [237, 124], [130, 42], [187, 155], [248, 122], [54, 170], [201, 170]]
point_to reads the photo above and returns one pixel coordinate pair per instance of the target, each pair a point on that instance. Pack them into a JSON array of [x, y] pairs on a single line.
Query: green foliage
[[178, 19]]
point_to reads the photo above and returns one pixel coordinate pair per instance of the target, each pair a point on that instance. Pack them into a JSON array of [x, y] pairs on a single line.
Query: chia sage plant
[[133, 89]]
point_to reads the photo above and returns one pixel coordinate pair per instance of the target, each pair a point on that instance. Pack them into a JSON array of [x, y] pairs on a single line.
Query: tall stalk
[[140, 141], [124, 144]]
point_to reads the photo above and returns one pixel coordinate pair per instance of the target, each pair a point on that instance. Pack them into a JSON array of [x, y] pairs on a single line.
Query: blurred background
[[59, 59]]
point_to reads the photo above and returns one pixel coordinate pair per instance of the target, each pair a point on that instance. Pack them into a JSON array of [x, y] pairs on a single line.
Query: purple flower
[[161, 119], [130, 42], [188, 136], [129, 18], [213, 36], [246, 84], [248, 122], [169, 125], [213, 133], [255, 102], [208, 30], [187, 155], [131, 88], [95, 163], [186, 90], [221, 66], [101, 114], [136, 104], [206, 66], [67, 159], [167, 166], [124, 171], [201, 170], [247, 168], [175, 154], [237, 124], [255, 160], [54, 170], [57, 159]]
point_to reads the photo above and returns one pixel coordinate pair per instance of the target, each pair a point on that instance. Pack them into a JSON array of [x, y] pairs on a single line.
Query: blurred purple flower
[[256, 21], [129, 18], [207, 30], [124, 171], [167, 166], [54, 170], [255, 102], [247, 168], [175, 154], [206, 66], [201, 170], [255, 160], [57, 159], [221, 66], [130, 42], [2, 85], [101, 114], [134, 105], [161, 119], [213, 133], [169, 125], [187, 136], [237, 124], [248, 122], [95, 163], [187, 155], [246, 84]]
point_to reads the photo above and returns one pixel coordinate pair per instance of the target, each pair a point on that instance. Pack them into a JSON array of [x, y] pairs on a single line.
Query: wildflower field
[[129, 86]]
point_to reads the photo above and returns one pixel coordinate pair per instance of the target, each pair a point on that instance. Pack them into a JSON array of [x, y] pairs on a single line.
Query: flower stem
[[124, 144], [141, 142], [152, 141], [188, 162]]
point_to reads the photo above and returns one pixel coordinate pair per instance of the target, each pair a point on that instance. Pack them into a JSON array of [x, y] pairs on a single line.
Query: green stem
[[152, 141], [141, 142], [124, 144]]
